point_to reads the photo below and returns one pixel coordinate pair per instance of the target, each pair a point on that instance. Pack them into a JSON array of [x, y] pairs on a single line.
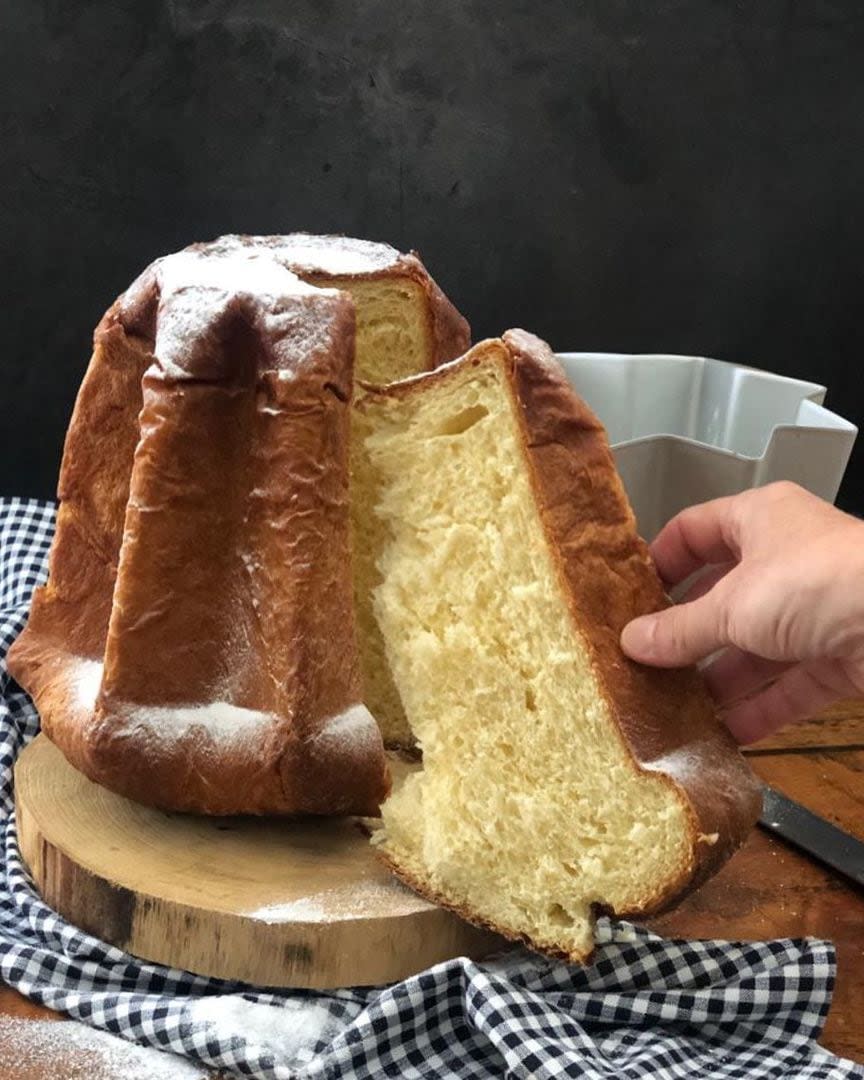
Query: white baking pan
[[685, 429]]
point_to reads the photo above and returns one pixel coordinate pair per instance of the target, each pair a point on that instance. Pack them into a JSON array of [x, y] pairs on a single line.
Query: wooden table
[[768, 889]]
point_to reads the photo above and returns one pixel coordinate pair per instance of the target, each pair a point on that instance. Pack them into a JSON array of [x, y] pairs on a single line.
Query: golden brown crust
[[450, 333], [234, 574]]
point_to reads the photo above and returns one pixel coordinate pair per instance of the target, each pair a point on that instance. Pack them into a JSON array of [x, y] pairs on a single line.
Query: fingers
[[703, 583], [799, 693], [697, 536], [737, 674], [679, 635]]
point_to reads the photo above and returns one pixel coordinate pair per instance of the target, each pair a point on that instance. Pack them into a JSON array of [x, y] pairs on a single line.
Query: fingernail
[[637, 637]]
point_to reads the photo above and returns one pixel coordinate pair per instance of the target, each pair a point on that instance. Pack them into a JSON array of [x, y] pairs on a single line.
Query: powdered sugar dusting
[[223, 722], [299, 332], [289, 1031], [365, 900], [196, 286], [254, 272], [88, 680], [303, 910], [49, 1048], [252, 563], [336, 254], [681, 764], [355, 725], [306, 253]]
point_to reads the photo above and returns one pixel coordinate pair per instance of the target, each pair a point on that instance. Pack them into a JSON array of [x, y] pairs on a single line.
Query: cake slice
[[558, 777]]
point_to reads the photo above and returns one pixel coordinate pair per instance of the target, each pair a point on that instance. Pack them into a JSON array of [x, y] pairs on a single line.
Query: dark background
[[612, 174]]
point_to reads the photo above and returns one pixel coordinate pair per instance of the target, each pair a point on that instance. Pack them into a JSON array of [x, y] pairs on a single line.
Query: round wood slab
[[264, 900]]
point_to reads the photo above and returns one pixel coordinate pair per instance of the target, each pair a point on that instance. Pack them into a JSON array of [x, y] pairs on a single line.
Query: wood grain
[[272, 902], [13, 1004], [769, 889], [842, 725], [828, 782]]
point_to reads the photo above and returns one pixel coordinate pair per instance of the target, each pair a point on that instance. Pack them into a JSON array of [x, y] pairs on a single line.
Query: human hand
[[781, 592]]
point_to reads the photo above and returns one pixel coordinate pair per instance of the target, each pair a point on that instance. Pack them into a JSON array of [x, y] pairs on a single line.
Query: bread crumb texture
[[392, 343], [529, 809]]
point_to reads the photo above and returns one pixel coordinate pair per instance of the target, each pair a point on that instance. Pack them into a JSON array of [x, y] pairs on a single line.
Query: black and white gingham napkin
[[646, 1008]]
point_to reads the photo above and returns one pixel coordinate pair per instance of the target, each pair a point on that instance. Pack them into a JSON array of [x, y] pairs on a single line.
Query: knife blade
[[813, 834]]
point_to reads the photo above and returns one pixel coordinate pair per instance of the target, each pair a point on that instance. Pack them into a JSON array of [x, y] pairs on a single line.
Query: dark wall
[[675, 176]]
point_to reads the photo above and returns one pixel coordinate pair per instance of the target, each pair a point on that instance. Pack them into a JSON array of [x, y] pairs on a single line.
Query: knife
[[813, 834]]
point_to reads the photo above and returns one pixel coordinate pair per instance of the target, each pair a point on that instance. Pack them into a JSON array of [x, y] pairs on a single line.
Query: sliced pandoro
[[558, 777]]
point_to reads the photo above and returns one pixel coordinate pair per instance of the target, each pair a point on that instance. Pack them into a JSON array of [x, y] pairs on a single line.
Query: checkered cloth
[[646, 1008]]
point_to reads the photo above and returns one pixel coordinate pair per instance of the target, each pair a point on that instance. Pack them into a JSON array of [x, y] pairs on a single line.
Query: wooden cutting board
[[267, 901]]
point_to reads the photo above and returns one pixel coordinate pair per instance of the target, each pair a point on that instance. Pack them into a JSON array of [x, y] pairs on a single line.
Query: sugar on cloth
[[646, 1008]]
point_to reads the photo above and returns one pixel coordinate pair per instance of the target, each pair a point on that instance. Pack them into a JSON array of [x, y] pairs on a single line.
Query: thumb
[[678, 636]]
